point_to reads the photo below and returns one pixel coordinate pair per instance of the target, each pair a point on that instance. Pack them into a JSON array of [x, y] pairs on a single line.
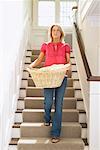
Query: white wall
[[98, 47], [89, 22], [90, 33], [15, 27], [83, 8], [38, 37], [94, 126]]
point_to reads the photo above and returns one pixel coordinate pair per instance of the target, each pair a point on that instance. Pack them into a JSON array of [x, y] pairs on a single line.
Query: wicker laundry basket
[[49, 77]]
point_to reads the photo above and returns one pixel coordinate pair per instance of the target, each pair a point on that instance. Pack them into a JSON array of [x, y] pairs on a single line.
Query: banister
[[90, 77]]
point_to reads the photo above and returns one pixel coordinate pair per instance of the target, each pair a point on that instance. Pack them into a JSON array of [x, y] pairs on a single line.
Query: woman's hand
[[37, 61], [68, 69], [68, 66]]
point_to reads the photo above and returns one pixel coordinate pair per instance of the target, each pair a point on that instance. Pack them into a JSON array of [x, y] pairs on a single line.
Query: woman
[[55, 52]]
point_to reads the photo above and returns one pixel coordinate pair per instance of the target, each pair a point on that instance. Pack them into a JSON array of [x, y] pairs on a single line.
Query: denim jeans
[[56, 95]]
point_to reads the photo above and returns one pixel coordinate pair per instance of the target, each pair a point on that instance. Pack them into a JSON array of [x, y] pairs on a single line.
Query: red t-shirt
[[55, 53]]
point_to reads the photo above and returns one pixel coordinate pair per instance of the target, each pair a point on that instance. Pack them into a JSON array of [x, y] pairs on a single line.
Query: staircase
[[29, 132]]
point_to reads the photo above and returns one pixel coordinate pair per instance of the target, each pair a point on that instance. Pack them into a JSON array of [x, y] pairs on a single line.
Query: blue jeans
[[58, 93]]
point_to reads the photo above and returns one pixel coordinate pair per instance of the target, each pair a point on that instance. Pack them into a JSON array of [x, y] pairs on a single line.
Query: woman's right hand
[[37, 61]]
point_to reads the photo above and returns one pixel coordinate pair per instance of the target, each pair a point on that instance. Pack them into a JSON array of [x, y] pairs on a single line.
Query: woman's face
[[56, 33]]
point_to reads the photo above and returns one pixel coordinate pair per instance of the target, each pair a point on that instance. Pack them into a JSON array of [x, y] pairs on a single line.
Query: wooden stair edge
[[27, 63], [80, 110], [38, 50], [17, 124], [70, 78], [27, 71], [23, 98]]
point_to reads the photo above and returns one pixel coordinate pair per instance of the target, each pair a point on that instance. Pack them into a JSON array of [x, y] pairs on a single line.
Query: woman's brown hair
[[60, 29]]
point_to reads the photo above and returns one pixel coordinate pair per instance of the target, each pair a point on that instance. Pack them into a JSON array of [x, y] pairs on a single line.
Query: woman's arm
[[68, 61], [68, 57], [37, 61]]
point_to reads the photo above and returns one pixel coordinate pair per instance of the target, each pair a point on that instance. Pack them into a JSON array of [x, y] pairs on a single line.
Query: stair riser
[[25, 74], [67, 132], [49, 147], [24, 83], [27, 59], [20, 104], [75, 75], [69, 84], [30, 104], [22, 93], [13, 147], [39, 116], [78, 94], [19, 118], [28, 53], [39, 92], [76, 84], [16, 133], [82, 117], [80, 105], [30, 147], [37, 104]]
